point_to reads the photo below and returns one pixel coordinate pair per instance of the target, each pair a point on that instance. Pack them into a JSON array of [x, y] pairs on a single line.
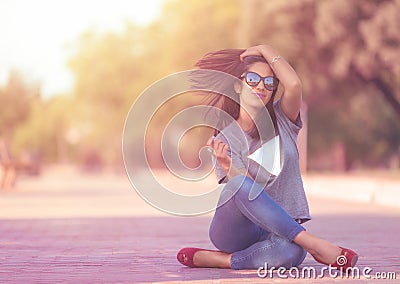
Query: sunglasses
[[253, 79]]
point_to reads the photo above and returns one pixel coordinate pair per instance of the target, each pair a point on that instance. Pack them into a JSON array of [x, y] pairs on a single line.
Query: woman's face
[[259, 92]]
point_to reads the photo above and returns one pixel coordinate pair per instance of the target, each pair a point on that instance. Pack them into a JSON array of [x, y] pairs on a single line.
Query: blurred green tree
[[47, 129], [15, 101]]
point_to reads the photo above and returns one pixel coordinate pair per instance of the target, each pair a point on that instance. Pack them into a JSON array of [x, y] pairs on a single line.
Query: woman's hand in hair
[[258, 50]]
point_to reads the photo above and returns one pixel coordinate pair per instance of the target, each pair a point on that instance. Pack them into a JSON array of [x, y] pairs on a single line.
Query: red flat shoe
[[346, 259], [185, 256]]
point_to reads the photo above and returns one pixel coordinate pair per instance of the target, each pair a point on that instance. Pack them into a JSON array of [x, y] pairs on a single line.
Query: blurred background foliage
[[346, 53]]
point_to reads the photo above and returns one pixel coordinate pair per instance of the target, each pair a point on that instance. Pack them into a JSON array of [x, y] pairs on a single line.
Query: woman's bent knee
[[236, 184], [239, 184], [296, 255]]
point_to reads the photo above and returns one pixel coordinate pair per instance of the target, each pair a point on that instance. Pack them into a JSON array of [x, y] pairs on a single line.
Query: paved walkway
[[88, 229]]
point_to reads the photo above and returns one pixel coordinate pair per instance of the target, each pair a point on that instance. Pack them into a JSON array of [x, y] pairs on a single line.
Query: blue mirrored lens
[[269, 81], [252, 79]]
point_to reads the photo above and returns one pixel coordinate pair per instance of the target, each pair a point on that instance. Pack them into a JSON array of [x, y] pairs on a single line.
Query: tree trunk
[[388, 93]]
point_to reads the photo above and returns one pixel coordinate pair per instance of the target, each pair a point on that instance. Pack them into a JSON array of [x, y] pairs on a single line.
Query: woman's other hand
[[220, 151]]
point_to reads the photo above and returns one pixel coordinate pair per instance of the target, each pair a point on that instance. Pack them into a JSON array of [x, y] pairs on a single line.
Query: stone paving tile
[[133, 250], [92, 236]]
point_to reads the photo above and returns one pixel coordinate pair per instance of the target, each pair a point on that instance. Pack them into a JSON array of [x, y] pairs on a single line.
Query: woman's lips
[[260, 95]]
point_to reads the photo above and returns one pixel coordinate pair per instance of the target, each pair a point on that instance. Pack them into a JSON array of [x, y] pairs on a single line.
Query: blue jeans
[[255, 231]]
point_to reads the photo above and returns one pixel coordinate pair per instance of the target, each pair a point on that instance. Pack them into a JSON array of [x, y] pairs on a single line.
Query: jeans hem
[[295, 232]]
